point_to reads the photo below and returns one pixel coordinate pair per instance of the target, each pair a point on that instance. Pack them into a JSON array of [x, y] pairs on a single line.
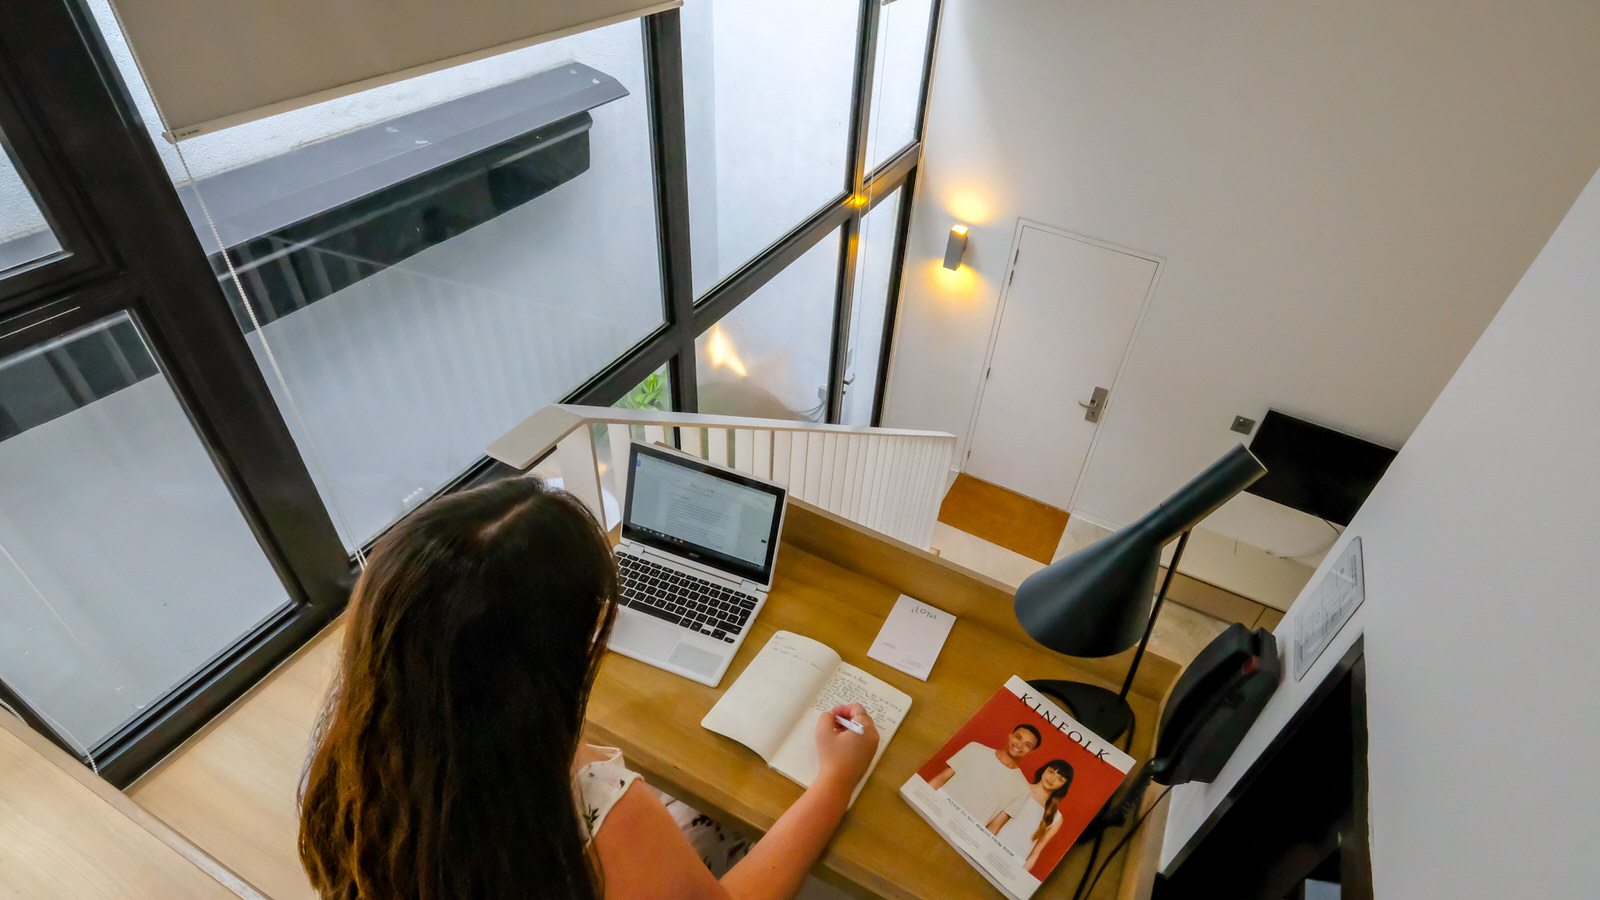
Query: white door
[[1066, 320]]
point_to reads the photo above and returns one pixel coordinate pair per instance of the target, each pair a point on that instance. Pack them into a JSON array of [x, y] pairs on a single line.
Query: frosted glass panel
[[769, 357], [124, 562], [430, 262], [767, 88], [897, 78], [869, 308], [25, 236]]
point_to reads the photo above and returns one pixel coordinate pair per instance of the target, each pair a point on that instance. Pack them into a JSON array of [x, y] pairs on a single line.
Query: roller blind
[[215, 63]]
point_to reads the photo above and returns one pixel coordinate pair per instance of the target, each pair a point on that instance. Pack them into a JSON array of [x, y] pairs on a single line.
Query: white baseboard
[[1228, 563], [1244, 569]]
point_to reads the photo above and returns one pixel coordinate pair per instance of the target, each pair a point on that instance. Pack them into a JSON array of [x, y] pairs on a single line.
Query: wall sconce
[[956, 247]]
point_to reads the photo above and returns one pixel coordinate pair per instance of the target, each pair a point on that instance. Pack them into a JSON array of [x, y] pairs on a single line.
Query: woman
[[448, 765], [1031, 821]]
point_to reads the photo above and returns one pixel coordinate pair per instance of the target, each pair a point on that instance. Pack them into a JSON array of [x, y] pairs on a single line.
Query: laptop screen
[[703, 511]]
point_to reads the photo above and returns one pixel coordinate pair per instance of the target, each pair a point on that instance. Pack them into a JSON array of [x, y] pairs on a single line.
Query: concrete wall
[[1344, 195], [1480, 622], [242, 144], [19, 211]]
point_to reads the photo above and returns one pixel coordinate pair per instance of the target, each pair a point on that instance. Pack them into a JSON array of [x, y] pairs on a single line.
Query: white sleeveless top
[[1017, 833], [597, 786]]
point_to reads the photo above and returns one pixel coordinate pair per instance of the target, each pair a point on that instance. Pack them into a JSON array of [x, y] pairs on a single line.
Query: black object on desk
[[1097, 601]]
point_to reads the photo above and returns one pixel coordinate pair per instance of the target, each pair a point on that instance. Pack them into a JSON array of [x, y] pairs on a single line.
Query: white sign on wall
[[1331, 604]]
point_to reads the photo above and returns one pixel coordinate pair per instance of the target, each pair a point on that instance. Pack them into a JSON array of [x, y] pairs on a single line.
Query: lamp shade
[[1097, 601]]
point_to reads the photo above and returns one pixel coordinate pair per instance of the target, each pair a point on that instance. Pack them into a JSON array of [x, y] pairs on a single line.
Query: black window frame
[[128, 246]]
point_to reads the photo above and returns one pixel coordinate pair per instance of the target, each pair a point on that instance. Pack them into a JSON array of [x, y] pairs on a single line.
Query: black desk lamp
[[1098, 600]]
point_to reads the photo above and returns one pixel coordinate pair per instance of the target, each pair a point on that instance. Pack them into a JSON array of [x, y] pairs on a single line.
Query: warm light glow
[[969, 205], [959, 230], [720, 350], [957, 284]]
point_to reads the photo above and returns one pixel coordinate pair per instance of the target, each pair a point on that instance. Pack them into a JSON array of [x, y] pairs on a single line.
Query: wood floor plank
[[233, 790], [1004, 518], [65, 836]]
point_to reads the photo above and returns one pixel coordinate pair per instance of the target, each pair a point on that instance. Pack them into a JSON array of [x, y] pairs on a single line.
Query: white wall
[[1343, 193], [1481, 623]]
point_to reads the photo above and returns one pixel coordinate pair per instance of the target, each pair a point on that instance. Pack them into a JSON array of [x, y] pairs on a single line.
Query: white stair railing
[[888, 479]]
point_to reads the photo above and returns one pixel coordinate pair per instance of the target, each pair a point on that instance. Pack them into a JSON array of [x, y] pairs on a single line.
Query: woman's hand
[[843, 756]]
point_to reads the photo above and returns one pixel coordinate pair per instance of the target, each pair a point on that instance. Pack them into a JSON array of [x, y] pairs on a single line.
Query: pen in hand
[[853, 726]]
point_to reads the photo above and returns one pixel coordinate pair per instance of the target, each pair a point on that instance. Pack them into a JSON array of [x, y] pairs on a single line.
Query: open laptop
[[698, 545]]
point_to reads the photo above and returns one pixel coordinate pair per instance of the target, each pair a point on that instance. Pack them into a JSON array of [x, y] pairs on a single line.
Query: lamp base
[[1099, 709]]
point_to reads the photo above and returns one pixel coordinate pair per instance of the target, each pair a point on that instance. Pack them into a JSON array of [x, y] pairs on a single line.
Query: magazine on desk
[[1015, 786]]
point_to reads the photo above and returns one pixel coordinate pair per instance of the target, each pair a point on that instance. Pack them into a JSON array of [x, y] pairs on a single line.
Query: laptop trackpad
[[648, 638], [694, 659]]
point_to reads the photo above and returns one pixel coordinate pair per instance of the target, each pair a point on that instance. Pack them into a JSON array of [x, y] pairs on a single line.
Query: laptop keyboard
[[684, 600]]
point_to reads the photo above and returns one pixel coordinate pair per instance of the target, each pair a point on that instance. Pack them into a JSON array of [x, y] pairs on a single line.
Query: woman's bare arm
[[777, 865], [1038, 846], [645, 857]]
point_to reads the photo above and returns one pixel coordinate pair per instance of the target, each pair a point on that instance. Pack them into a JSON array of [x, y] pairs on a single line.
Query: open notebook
[[772, 707]]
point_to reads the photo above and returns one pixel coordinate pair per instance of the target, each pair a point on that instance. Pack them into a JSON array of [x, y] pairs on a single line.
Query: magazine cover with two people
[[1015, 786]]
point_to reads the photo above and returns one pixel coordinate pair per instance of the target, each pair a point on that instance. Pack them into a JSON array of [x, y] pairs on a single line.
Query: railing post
[[580, 469], [890, 480]]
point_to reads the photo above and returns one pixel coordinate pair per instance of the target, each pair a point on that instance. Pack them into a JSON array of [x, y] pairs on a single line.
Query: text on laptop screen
[[687, 506]]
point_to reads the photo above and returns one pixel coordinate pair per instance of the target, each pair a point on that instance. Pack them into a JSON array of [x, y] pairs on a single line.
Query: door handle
[[1096, 404]]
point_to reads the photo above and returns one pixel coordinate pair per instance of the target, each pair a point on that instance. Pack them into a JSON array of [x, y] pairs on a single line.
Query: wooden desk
[[836, 583]]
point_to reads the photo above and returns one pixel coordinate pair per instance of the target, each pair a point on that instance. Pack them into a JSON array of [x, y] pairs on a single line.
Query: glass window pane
[[126, 564], [870, 303], [25, 236], [767, 90], [653, 393], [431, 262], [769, 357], [897, 77]]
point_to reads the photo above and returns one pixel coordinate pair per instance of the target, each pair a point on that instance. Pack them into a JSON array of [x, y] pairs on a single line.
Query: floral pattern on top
[[597, 786]]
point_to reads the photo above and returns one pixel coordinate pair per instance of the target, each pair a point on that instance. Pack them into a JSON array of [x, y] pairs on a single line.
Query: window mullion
[[669, 144]]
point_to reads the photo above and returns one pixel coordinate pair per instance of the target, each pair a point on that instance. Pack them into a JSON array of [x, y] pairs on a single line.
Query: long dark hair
[[442, 766], [1053, 803]]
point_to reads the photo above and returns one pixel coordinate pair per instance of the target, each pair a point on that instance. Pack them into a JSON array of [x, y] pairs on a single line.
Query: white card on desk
[[912, 636]]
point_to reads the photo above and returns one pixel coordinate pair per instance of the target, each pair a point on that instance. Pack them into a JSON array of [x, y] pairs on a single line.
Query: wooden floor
[[1003, 518], [66, 833], [232, 789]]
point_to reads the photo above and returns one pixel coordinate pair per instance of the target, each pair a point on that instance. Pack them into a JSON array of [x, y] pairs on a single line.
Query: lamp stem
[[1161, 596]]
